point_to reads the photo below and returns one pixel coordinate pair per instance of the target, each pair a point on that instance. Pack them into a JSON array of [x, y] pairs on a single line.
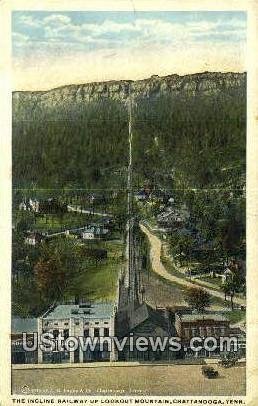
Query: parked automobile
[[209, 372]]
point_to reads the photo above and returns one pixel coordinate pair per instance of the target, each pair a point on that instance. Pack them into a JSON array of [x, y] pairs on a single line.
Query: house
[[227, 275], [18, 352], [31, 205], [141, 196], [23, 206], [208, 324], [142, 320], [33, 238], [34, 205], [88, 235], [78, 320], [95, 231], [170, 218]]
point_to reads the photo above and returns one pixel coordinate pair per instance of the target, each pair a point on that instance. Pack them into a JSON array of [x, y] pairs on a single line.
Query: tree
[[58, 265], [226, 289], [198, 298], [230, 287]]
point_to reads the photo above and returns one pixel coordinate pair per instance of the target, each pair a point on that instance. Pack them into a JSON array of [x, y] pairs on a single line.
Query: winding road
[[89, 211], [159, 268]]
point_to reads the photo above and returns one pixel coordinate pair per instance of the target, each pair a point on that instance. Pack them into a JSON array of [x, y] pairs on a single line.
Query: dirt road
[[158, 267]]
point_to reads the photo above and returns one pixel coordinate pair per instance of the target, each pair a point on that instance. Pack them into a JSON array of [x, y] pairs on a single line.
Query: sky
[[51, 49]]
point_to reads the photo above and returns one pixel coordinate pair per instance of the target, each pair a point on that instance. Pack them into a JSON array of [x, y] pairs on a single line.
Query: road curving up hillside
[[159, 268]]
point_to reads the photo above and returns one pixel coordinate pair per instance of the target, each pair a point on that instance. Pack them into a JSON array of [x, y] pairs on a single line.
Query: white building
[[34, 204], [94, 232], [88, 235], [31, 205], [23, 206], [84, 320], [33, 239]]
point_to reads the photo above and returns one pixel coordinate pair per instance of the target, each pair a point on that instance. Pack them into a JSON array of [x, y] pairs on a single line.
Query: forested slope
[[191, 127]]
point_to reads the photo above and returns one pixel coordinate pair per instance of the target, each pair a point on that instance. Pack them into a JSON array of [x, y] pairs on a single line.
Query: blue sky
[[89, 46]]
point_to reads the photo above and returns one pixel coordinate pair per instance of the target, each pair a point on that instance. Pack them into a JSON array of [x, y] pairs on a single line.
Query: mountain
[[27, 104], [77, 135]]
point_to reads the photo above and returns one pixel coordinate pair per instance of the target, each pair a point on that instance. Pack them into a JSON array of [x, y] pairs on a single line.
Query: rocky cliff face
[[26, 103]]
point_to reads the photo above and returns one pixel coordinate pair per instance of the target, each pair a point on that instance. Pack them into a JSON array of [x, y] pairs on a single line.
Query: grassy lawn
[[214, 281], [53, 222], [99, 280], [91, 278], [171, 268], [236, 315], [57, 223]]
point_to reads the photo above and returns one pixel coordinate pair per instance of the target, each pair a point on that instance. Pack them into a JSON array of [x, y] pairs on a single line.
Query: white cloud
[[74, 53], [57, 19], [60, 27], [29, 21], [156, 30]]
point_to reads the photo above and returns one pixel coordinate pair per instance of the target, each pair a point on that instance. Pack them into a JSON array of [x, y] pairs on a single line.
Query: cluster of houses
[[170, 216], [105, 320], [29, 205], [148, 195], [175, 219], [50, 205], [89, 232]]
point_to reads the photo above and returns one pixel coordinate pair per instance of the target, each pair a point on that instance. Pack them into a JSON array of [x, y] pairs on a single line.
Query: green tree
[[198, 298], [59, 263]]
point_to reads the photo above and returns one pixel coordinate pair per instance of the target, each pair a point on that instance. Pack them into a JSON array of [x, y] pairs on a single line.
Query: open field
[[92, 278], [53, 223], [129, 380], [99, 281]]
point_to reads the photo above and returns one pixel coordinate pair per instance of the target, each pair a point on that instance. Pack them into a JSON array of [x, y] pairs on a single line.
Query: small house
[[34, 205], [23, 206], [94, 231], [33, 238], [141, 196], [88, 235]]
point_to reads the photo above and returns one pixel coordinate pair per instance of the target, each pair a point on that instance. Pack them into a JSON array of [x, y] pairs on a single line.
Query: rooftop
[[133, 318], [204, 316], [24, 325], [87, 310]]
